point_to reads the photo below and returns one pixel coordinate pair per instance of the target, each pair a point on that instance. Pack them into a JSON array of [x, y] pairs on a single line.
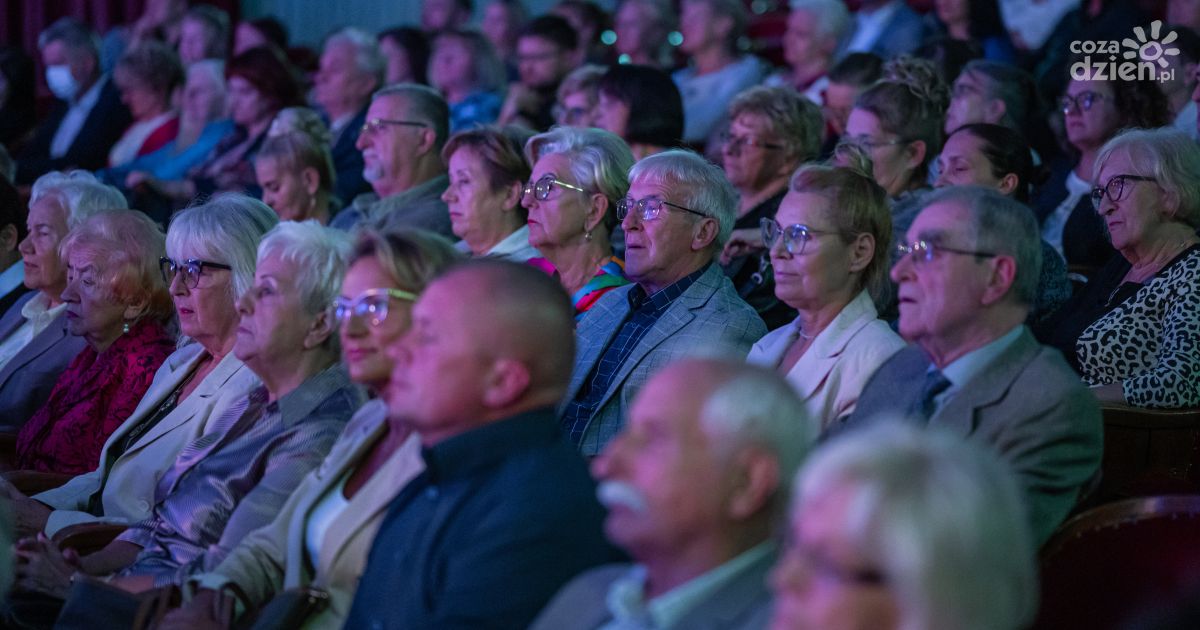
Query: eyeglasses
[[371, 305], [375, 124], [1081, 102], [870, 143], [795, 236], [191, 268], [649, 208], [925, 251], [541, 189], [735, 143], [1115, 188]]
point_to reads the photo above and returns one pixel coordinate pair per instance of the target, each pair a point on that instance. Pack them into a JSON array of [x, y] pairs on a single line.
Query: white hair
[[226, 229], [599, 160], [79, 193], [695, 183], [320, 254], [942, 518], [833, 18], [367, 57]]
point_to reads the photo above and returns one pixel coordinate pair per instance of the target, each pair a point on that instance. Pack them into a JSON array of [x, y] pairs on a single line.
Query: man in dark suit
[[13, 230], [89, 116], [694, 485], [505, 512], [351, 69], [966, 280]]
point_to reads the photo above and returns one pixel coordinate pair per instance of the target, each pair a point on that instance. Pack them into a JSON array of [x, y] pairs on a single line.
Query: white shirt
[[322, 516], [1052, 229], [38, 315], [126, 149], [1033, 21], [869, 26], [73, 121]]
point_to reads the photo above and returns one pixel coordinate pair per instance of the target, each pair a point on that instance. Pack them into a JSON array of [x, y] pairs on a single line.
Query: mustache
[[613, 494]]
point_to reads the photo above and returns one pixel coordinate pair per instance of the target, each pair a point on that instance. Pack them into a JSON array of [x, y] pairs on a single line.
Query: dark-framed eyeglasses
[[375, 124], [736, 143], [1116, 189], [795, 237], [542, 187], [370, 305], [649, 208], [191, 269], [926, 251], [1081, 102]]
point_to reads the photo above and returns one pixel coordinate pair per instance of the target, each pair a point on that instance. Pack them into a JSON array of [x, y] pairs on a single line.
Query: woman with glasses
[[1093, 112], [321, 537], [577, 180], [210, 254], [829, 246], [1131, 332]]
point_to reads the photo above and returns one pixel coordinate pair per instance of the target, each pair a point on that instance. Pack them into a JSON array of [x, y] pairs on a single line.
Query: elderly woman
[[1131, 332], [118, 303], [829, 249], [147, 77], [295, 169], [487, 174], [466, 70], [578, 177], [772, 131], [895, 528], [322, 535], [578, 96], [237, 476]]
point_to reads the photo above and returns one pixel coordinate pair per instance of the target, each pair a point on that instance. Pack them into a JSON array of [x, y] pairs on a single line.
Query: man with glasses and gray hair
[[967, 275], [677, 216], [401, 143]]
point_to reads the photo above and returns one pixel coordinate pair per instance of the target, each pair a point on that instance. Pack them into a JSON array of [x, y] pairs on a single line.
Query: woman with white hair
[[894, 527]]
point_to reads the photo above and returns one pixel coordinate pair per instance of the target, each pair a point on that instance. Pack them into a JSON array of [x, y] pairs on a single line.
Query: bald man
[[505, 512]]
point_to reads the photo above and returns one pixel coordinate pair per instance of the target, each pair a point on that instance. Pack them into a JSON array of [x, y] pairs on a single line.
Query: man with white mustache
[[694, 485]]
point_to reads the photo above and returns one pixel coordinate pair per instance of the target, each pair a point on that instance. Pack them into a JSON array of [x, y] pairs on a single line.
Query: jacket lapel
[[960, 410], [199, 399], [595, 332], [39, 345]]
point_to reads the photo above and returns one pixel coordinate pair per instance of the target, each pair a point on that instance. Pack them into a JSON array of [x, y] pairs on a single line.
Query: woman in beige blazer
[[321, 537], [211, 253]]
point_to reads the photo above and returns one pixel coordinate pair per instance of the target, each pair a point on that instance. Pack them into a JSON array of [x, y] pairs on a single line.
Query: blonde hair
[[125, 246]]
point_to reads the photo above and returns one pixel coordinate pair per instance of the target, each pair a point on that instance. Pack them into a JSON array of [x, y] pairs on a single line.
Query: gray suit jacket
[[418, 207], [1029, 405], [26, 380], [741, 604], [709, 314]]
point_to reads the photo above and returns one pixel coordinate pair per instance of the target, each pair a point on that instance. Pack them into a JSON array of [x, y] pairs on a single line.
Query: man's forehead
[[939, 221]]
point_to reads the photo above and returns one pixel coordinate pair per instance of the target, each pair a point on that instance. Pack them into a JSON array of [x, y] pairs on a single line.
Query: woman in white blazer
[[829, 250], [211, 252]]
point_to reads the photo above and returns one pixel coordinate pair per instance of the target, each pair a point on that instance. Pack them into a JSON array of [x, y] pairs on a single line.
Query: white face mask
[[61, 82]]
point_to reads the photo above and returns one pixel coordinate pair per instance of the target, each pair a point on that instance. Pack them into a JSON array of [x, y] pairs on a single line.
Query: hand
[[199, 613], [29, 516], [43, 568], [742, 242]]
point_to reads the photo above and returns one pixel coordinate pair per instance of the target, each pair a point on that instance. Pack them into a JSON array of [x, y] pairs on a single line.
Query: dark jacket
[[101, 129], [1085, 240], [348, 161]]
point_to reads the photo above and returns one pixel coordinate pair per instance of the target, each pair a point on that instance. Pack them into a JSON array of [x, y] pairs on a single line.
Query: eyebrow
[[932, 236]]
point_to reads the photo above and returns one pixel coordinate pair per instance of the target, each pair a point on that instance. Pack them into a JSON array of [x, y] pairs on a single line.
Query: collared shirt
[[514, 247], [38, 314], [961, 370], [1054, 225], [235, 478], [644, 313], [631, 611], [73, 121], [869, 26]]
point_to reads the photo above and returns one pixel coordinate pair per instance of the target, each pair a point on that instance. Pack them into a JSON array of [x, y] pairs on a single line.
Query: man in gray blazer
[[966, 281], [678, 216], [693, 485]]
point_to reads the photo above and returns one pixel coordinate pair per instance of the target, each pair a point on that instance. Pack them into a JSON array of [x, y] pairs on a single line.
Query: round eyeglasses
[[649, 208], [795, 237], [371, 305], [191, 269], [541, 189], [1115, 188]]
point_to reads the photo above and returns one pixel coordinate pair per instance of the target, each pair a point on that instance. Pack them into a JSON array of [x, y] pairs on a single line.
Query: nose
[[244, 304], [26, 245], [901, 269], [632, 220], [363, 140], [176, 285], [353, 327], [69, 294], [448, 196]]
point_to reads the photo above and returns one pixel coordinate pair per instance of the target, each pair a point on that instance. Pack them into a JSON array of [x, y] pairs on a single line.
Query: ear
[[595, 212], [916, 153], [1004, 273], [754, 484], [862, 251], [8, 238], [995, 110], [1170, 203], [512, 196], [311, 179], [506, 383], [428, 141], [321, 329], [706, 235], [1009, 183]]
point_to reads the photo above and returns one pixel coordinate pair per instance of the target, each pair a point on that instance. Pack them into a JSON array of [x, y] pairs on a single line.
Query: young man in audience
[[694, 485], [887, 28], [351, 69], [401, 143], [547, 50], [677, 217], [967, 276], [505, 512]]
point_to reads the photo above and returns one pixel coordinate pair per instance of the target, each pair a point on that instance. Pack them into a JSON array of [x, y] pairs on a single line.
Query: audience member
[[974, 22], [1179, 85], [848, 79], [829, 249], [14, 228], [445, 15], [203, 34], [590, 22], [351, 69], [642, 27], [677, 216], [579, 177], [967, 275], [502, 494], [772, 131], [695, 486], [488, 171], [406, 52], [401, 143], [717, 71], [546, 52], [993, 93], [118, 303], [814, 30], [18, 98], [34, 344], [642, 105], [1131, 331], [578, 97], [502, 21], [888, 28], [88, 116], [160, 21], [470, 75], [893, 527], [264, 31], [295, 171], [147, 76]]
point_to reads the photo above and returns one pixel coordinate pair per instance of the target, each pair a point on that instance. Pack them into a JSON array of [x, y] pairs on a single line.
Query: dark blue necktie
[[935, 383]]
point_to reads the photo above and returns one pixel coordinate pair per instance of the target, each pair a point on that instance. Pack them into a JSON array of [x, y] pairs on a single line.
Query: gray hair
[[600, 160], [74, 34], [833, 18], [792, 118], [302, 120], [695, 183], [586, 79], [79, 193], [1168, 155], [320, 255], [367, 57], [941, 517], [1000, 225], [425, 105], [226, 229]]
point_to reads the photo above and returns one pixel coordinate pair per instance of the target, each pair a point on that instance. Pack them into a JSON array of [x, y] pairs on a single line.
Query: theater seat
[[1150, 452]]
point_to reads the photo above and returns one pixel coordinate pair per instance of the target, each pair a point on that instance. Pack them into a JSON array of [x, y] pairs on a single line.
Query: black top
[[752, 274]]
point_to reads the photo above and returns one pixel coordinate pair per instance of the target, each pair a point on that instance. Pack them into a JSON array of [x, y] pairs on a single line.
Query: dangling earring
[[587, 236]]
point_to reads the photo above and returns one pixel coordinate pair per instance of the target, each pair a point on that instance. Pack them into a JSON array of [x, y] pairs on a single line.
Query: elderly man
[[814, 30], [992, 92], [505, 512], [677, 217], [401, 143], [89, 116], [547, 49], [34, 344], [351, 69], [966, 282], [694, 485]]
